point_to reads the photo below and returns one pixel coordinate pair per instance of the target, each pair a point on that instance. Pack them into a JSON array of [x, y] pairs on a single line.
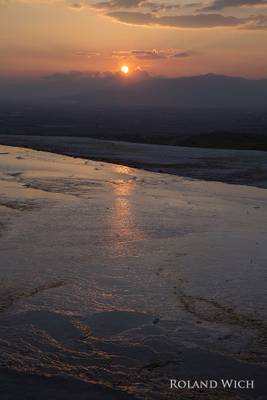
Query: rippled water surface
[[114, 280]]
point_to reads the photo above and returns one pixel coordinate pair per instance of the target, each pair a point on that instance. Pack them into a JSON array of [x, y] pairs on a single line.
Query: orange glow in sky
[[162, 37]]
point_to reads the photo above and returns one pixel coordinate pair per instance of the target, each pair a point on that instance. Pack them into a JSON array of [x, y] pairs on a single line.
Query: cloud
[[149, 55], [256, 23], [177, 21], [190, 5], [182, 54], [76, 6], [117, 4], [217, 5], [88, 54], [131, 17], [167, 13], [153, 54], [152, 6]]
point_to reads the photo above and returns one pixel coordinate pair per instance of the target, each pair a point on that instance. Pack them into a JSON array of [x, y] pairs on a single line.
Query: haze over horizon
[[77, 89]]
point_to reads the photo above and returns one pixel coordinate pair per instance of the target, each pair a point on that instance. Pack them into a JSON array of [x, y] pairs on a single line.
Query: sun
[[125, 69]]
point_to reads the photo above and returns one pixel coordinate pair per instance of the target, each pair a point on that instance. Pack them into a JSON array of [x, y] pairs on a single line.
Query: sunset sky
[[165, 37]]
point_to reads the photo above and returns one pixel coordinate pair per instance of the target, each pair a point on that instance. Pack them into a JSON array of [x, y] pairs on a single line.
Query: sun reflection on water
[[123, 169], [123, 220]]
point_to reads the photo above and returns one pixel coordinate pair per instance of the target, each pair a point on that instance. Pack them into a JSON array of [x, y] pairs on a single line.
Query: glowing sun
[[125, 69]]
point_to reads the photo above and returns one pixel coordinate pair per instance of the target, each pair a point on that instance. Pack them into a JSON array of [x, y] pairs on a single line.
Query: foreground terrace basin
[[114, 280]]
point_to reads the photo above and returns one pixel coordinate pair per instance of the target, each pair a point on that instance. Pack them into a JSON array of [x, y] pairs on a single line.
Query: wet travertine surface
[[114, 280]]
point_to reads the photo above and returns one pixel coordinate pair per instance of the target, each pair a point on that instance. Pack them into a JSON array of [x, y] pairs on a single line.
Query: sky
[[160, 37]]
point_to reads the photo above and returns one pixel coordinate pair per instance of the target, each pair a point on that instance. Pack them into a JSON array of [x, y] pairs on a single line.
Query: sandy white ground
[[117, 279]]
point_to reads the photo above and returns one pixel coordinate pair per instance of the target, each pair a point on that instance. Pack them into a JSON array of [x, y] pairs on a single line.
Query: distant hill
[[198, 91]]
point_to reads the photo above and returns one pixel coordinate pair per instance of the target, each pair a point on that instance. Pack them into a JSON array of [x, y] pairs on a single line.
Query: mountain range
[[203, 91]]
